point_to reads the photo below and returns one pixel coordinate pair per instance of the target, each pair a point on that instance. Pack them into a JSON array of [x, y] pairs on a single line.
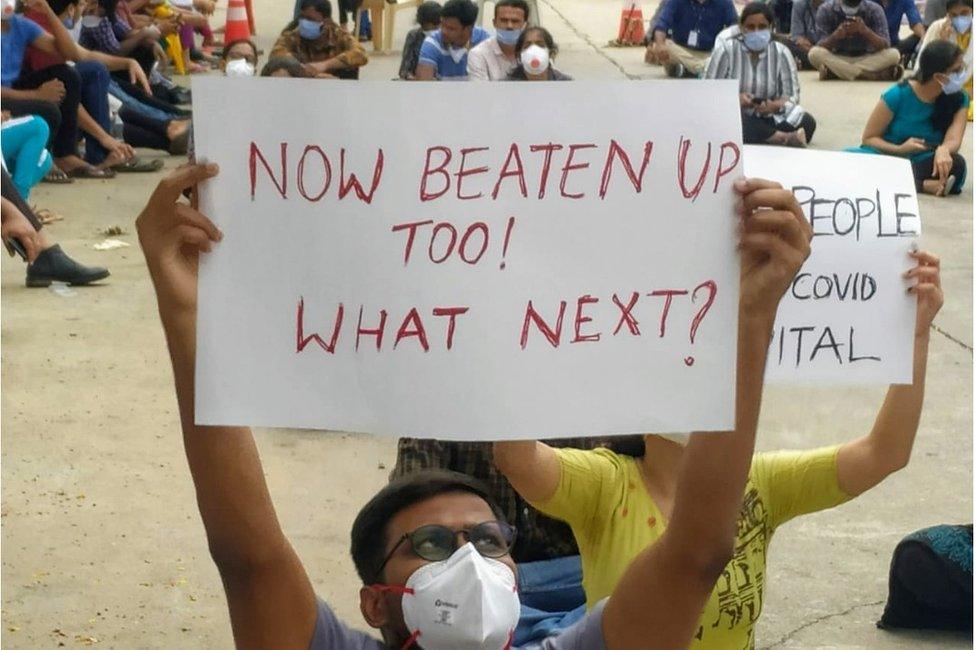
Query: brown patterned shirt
[[539, 537], [333, 43]]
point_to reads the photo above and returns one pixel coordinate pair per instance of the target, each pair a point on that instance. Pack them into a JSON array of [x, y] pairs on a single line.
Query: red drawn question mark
[[696, 321]]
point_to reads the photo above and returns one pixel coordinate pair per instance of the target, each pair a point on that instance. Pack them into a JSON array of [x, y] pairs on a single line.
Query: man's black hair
[[324, 7], [59, 6], [965, 3], [465, 11], [757, 8], [369, 533], [429, 13], [515, 4]]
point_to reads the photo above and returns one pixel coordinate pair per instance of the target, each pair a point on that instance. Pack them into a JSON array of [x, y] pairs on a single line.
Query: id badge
[[693, 38]]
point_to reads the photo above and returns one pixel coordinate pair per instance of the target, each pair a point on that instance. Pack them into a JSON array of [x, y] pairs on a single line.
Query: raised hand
[[173, 234]]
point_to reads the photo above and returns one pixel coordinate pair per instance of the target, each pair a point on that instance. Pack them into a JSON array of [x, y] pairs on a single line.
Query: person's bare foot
[[111, 160], [176, 128], [934, 187], [68, 164], [797, 139]]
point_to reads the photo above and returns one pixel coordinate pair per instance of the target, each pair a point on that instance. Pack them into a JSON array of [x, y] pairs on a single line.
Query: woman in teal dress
[[924, 119]]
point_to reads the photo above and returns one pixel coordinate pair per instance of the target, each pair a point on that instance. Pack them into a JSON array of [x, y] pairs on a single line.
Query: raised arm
[[865, 462], [662, 594], [271, 601], [530, 466], [59, 40]]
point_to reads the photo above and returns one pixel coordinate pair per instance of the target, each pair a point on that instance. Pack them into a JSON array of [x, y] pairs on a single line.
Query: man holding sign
[[431, 549]]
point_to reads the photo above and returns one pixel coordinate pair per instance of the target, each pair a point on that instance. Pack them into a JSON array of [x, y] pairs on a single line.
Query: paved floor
[[101, 538]]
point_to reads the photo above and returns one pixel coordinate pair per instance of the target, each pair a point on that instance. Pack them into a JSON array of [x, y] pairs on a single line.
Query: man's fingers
[[193, 236], [926, 258], [772, 245], [785, 224], [184, 177], [746, 185], [925, 275], [192, 217], [31, 246]]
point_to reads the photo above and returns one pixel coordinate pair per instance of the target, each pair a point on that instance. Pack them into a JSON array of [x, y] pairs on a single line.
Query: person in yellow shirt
[[956, 27], [617, 505]]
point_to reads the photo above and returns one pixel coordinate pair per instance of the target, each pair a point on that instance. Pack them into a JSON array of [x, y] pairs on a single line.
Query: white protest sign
[[469, 261], [847, 317]]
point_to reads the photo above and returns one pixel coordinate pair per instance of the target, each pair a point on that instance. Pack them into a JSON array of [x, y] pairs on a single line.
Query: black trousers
[[922, 171], [141, 131], [9, 192], [348, 8], [907, 48], [802, 59], [757, 130], [64, 126]]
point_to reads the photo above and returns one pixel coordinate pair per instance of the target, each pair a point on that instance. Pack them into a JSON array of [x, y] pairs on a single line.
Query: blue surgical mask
[[956, 81], [757, 41], [962, 24], [508, 36], [309, 29], [69, 23]]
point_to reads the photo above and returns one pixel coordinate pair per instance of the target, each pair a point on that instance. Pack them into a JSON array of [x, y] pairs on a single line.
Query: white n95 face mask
[[466, 602], [535, 59], [239, 68]]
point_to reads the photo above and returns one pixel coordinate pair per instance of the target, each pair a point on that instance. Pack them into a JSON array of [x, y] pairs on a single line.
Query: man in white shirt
[[494, 59]]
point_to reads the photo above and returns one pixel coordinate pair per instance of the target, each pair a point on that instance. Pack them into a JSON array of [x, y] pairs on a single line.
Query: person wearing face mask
[[536, 50], [956, 27], [432, 549], [495, 58], [924, 119], [240, 58], [856, 45], [685, 32], [769, 88], [618, 505], [317, 42], [444, 54], [428, 19]]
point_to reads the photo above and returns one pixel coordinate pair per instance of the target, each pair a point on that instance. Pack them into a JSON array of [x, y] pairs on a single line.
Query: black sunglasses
[[436, 543]]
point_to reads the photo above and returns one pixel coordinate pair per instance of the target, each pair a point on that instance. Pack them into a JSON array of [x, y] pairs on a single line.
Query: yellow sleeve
[[798, 482], [586, 477]]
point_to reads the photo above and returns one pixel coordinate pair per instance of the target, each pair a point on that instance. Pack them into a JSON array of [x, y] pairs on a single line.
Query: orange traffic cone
[[631, 30], [237, 27]]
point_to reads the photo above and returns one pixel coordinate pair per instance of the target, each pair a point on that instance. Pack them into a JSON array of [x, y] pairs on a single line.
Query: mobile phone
[[14, 246]]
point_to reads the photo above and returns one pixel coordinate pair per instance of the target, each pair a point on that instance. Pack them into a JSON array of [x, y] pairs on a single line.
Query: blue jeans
[[23, 141], [94, 97], [552, 598], [135, 105]]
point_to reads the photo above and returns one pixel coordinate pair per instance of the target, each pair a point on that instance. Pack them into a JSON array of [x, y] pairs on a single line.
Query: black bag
[[931, 581]]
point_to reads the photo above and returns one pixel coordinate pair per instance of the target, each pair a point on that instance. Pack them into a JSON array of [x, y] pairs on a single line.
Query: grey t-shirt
[[332, 634]]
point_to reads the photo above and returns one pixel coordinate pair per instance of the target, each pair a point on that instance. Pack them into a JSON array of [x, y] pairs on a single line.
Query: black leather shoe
[[53, 265]]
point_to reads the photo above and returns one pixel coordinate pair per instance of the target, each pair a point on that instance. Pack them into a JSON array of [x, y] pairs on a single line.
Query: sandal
[[87, 171], [57, 176], [137, 165]]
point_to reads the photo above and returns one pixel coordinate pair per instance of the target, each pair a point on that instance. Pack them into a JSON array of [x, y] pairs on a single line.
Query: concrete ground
[[102, 543]]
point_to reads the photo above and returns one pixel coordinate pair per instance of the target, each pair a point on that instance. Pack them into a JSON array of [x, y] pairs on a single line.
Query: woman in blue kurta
[[924, 119]]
